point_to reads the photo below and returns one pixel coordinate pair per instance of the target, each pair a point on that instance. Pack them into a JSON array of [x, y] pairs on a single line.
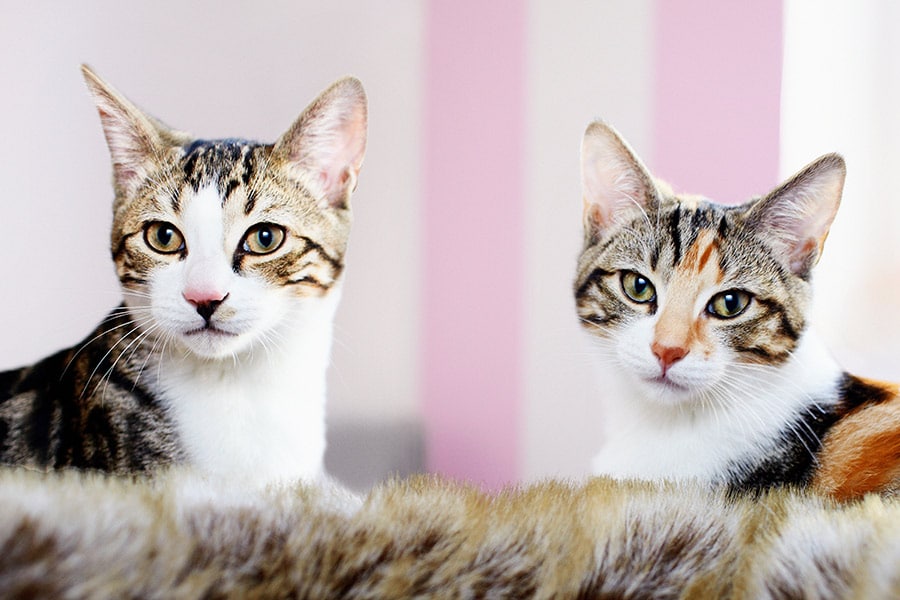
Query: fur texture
[[230, 255], [77, 535], [698, 312]]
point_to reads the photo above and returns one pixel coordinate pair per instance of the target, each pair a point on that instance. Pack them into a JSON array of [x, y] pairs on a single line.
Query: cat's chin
[[664, 391], [212, 343]]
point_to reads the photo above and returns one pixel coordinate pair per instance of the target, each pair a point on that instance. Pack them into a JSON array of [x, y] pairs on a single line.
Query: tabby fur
[[701, 311], [85, 536], [230, 254]]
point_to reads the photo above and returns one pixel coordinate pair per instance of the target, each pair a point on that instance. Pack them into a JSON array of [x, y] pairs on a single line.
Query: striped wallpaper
[[713, 113]]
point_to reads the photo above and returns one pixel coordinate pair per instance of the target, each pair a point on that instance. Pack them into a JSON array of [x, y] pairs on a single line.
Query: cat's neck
[[259, 416], [646, 439]]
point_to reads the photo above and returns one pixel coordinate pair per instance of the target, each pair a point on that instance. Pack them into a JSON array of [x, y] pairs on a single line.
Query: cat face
[[224, 245], [687, 297]]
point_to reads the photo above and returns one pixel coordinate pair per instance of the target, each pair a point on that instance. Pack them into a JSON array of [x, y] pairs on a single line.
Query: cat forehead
[[225, 163], [677, 218], [244, 174], [661, 240], [241, 176]]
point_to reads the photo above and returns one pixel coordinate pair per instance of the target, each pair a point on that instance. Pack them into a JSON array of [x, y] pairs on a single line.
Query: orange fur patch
[[861, 453], [678, 326]]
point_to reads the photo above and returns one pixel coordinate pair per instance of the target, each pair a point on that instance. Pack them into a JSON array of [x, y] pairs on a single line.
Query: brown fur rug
[[87, 536]]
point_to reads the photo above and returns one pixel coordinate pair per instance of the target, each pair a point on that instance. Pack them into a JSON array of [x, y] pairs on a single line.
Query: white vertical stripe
[[587, 60], [840, 93]]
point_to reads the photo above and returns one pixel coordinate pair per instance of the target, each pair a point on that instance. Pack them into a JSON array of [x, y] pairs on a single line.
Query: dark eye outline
[[744, 300], [248, 245], [628, 278], [151, 238]]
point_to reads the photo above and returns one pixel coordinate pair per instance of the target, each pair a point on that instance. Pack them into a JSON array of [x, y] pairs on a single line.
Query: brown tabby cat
[[701, 311], [230, 255], [90, 537]]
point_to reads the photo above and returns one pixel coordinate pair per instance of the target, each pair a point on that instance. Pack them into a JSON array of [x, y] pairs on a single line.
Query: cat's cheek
[[700, 374], [633, 343], [688, 379]]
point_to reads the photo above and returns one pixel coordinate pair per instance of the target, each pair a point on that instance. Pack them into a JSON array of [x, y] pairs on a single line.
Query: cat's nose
[[667, 355], [205, 304]]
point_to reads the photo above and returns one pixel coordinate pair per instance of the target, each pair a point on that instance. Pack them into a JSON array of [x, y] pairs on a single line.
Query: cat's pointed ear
[[325, 146], [613, 179], [796, 217], [134, 139]]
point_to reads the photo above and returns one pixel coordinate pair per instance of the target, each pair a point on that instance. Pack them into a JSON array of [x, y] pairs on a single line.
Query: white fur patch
[[248, 394], [648, 439], [260, 416]]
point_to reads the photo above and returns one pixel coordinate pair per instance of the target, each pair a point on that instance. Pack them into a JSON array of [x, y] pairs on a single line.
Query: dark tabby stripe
[[675, 234], [594, 278], [595, 303], [85, 407], [771, 336], [310, 264], [227, 163]]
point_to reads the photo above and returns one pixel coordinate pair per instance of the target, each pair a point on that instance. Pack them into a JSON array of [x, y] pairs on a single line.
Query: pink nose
[[667, 355], [205, 301]]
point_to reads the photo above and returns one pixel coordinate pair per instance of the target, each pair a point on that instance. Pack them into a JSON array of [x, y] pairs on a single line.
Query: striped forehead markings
[[227, 163], [698, 255]]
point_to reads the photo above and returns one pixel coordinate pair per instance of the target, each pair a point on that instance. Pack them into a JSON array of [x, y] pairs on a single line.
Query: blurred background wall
[[456, 348]]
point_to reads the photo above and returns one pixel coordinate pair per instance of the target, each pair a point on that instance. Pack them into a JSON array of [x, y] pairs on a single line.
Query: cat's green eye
[[163, 237], [637, 287], [263, 239], [729, 304]]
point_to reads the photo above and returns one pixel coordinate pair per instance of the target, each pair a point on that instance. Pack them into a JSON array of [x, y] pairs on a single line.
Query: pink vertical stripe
[[717, 98], [473, 237]]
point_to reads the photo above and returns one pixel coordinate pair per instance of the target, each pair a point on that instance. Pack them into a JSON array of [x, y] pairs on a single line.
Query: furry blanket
[[87, 536]]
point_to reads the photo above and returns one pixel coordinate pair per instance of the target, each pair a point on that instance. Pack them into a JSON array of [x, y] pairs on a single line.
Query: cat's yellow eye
[[263, 239], [637, 287], [163, 237], [729, 304]]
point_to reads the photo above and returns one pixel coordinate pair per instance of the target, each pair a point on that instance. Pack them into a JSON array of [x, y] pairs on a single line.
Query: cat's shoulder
[[861, 452]]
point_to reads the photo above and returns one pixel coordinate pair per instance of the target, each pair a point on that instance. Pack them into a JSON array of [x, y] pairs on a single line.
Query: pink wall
[[718, 94], [473, 240]]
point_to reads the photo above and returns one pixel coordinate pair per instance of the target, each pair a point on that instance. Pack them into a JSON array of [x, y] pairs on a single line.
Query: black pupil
[[264, 237], [731, 302], [164, 235], [640, 286]]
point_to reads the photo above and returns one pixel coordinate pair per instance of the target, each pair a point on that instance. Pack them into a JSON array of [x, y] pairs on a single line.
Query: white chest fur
[[647, 440], [260, 416]]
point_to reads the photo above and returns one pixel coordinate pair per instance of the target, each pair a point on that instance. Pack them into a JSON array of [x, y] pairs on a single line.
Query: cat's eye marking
[[263, 238], [637, 287], [729, 304], [307, 280], [163, 237], [594, 278]]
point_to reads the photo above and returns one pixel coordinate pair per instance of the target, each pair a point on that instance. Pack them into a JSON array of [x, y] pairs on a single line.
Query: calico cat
[[701, 311], [83, 536], [230, 254]]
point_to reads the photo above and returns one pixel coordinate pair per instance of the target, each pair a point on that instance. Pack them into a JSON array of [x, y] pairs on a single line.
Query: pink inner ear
[[594, 215], [334, 183], [802, 252]]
